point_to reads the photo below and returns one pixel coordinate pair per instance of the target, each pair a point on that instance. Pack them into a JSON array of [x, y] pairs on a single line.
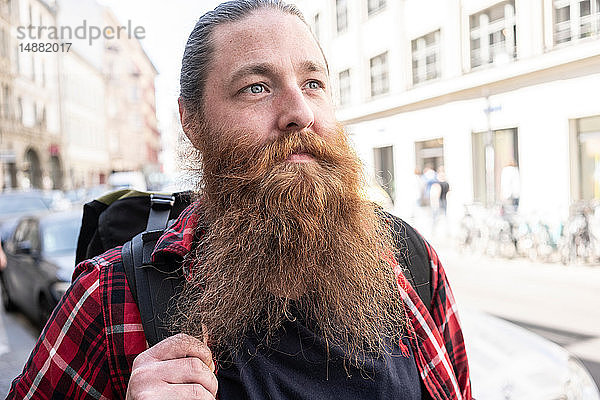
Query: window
[[588, 139], [3, 43], [5, 111], [506, 150], [493, 35], [575, 19], [383, 161], [375, 6], [20, 110], [426, 57], [42, 117], [341, 12], [429, 153], [379, 75], [316, 26], [17, 60], [344, 87]]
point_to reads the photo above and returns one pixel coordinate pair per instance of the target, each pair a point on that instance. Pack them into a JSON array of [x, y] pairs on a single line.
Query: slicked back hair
[[199, 49]]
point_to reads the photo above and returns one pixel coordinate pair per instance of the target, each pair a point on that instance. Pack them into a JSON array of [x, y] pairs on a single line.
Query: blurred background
[[478, 121]]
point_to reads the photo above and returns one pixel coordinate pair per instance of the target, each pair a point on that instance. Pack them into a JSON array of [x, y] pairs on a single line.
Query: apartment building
[[30, 144], [471, 85], [72, 115], [8, 170], [130, 104]]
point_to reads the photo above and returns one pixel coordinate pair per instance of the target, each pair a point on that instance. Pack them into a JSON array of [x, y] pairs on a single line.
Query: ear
[[186, 122]]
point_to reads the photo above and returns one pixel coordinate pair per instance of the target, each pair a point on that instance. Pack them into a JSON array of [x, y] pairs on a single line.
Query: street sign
[[492, 109]]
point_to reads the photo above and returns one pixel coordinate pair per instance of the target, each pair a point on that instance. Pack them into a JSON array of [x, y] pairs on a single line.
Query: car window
[[33, 235], [21, 231], [60, 238]]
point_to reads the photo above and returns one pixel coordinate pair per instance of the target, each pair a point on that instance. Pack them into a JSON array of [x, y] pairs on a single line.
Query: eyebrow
[[269, 69]]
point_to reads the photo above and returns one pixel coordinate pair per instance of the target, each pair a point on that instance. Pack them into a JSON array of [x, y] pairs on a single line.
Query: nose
[[294, 111]]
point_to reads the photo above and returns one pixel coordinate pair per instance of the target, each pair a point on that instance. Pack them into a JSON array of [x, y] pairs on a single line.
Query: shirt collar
[[176, 240]]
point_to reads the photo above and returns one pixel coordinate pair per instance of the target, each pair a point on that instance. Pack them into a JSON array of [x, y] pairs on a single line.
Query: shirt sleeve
[[445, 316], [70, 359]]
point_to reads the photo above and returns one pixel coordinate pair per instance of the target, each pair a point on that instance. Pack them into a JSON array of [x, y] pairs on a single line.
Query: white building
[[82, 84], [422, 82]]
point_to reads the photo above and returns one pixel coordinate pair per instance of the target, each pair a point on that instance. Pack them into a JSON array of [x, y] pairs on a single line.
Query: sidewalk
[[561, 303]]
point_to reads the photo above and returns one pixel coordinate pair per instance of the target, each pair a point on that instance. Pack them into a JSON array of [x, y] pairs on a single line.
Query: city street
[[557, 302], [17, 338]]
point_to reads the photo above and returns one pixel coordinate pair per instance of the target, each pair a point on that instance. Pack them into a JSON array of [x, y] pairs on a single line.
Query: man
[[292, 291]]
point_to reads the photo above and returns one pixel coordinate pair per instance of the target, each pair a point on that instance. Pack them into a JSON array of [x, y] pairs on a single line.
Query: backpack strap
[[152, 287], [412, 254]]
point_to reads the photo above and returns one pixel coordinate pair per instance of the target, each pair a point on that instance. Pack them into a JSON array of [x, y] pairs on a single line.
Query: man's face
[[280, 190], [268, 77]]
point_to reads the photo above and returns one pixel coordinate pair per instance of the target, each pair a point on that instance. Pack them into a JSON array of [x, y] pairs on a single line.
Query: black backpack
[[136, 220]]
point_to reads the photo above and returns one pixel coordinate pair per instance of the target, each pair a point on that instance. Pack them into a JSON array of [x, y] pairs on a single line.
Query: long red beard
[[281, 231]]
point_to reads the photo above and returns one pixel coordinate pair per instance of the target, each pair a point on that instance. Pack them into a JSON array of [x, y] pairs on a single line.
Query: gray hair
[[200, 47]]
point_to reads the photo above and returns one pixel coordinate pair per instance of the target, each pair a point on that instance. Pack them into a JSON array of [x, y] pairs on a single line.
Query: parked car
[[509, 362], [13, 204], [127, 180], [41, 260]]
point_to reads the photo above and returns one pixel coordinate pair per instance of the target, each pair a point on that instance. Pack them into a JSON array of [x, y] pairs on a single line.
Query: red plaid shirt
[[88, 345]]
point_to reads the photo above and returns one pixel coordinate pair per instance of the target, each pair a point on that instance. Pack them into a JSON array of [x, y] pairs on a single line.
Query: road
[[17, 338], [557, 302], [560, 303]]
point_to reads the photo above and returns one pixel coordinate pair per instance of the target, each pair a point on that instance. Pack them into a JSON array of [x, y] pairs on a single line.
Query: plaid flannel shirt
[[88, 345]]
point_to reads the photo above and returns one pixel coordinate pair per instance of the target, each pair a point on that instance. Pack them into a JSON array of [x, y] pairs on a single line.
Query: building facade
[[130, 104], [31, 141], [470, 85], [69, 118]]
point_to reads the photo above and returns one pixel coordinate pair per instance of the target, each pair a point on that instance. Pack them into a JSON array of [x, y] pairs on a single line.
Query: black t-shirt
[[296, 367]]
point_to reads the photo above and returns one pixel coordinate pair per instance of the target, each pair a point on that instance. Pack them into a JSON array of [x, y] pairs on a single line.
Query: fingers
[[192, 391], [188, 370], [175, 392], [179, 346], [179, 367]]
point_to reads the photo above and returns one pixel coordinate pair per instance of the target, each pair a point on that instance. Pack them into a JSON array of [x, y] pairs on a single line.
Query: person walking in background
[[510, 185], [2, 258], [444, 189], [437, 197], [429, 177]]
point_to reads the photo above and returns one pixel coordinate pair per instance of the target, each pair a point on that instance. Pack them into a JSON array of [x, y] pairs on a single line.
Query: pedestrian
[[2, 258], [442, 181], [290, 289], [429, 177]]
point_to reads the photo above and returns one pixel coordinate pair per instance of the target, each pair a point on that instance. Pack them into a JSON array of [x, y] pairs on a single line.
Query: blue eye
[[314, 85], [256, 88]]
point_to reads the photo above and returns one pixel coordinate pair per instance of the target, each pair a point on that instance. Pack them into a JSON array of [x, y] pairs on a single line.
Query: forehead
[[266, 35]]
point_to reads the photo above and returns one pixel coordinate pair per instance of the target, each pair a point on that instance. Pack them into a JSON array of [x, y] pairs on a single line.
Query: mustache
[[242, 158]]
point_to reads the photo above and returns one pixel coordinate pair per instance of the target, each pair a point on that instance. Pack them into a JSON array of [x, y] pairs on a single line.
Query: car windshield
[[61, 236], [17, 204]]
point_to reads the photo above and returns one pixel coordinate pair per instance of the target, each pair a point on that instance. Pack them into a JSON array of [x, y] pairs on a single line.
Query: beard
[[276, 234]]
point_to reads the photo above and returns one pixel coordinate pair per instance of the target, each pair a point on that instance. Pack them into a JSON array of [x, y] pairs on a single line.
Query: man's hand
[[179, 367]]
